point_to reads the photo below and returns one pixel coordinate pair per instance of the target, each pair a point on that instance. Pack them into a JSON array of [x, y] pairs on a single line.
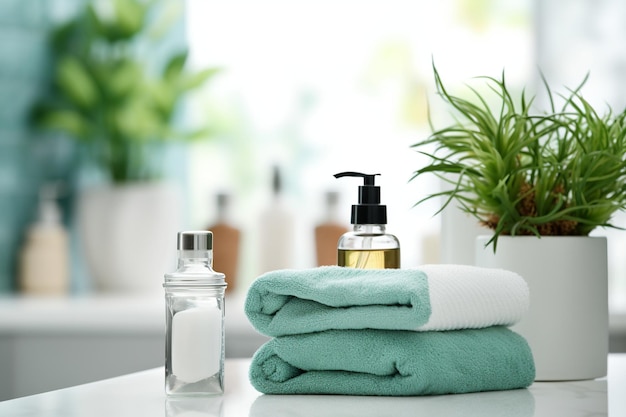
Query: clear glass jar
[[194, 299]]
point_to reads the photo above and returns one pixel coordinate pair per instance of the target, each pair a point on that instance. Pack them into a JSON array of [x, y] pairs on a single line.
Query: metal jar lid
[[195, 240]]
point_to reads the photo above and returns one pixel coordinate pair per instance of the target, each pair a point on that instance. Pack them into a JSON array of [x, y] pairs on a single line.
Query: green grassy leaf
[[563, 172]]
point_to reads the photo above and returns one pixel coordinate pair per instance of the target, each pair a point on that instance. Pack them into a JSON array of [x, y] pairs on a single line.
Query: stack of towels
[[437, 329]]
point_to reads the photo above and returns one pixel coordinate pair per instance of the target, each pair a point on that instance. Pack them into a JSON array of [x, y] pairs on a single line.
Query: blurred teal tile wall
[[27, 160], [23, 70]]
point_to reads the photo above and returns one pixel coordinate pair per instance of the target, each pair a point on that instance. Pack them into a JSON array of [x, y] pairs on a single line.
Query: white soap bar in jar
[[196, 343]]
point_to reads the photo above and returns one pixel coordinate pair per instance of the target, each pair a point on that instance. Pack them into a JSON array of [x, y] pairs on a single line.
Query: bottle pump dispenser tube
[[368, 246]]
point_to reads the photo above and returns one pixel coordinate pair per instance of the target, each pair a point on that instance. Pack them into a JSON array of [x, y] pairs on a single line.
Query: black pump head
[[369, 210], [368, 179]]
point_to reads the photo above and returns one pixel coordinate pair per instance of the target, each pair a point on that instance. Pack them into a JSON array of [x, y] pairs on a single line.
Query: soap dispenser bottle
[[276, 230], [227, 238], [328, 232], [44, 259], [368, 246]]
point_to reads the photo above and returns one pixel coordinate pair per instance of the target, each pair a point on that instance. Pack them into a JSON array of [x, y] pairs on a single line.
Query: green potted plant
[[541, 182], [561, 173], [109, 93]]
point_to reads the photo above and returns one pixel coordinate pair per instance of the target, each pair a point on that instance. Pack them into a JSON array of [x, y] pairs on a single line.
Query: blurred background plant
[[105, 94]]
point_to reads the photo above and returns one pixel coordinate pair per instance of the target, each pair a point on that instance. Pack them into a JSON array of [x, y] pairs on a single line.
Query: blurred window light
[[327, 86], [320, 87]]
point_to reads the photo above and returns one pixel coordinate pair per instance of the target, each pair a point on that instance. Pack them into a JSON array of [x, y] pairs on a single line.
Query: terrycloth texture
[[398, 363], [467, 297], [433, 297]]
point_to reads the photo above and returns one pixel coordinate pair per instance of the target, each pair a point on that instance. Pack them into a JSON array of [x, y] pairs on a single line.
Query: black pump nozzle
[[368, 179], [369, 210]]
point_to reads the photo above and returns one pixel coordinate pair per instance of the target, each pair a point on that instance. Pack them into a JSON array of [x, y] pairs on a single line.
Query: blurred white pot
[[567, 324], [129, 235]]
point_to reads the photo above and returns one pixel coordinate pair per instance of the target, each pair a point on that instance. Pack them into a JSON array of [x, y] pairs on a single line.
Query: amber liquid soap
[[369, 259]]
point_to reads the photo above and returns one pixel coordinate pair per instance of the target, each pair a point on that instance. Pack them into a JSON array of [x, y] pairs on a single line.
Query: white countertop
[[141, 394]]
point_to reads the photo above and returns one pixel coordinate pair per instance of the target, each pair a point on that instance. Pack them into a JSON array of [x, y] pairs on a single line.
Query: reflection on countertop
[[514, 403]]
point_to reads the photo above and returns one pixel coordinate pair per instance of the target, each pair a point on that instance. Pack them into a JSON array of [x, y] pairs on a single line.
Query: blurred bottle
[[44, 258], [328, 232], [276, 227], [226, 237]]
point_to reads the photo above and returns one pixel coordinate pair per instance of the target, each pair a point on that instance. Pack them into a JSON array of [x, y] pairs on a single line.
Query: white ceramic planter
[[567, 323], [129, 235]]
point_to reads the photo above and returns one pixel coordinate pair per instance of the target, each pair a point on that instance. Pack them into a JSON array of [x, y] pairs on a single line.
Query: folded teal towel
[[399, 363], [432, 297]]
